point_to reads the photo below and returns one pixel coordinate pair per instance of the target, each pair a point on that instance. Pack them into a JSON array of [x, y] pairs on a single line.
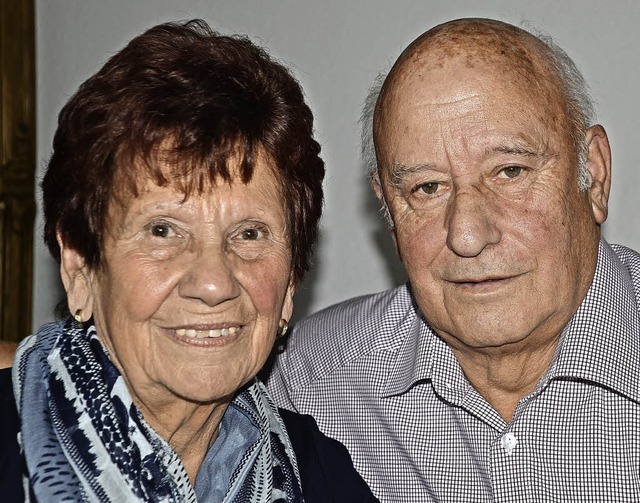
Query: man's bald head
[[480, 41], [524, 58]]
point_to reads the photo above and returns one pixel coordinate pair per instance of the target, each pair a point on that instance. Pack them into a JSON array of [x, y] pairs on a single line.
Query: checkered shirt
[[378, 379]]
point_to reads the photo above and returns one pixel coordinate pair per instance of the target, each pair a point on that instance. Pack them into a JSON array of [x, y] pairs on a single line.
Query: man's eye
[[512, 171], [160, 230], [429, 187]]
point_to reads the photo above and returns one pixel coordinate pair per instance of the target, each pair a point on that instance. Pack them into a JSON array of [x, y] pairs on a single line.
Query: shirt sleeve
[[278, 387]]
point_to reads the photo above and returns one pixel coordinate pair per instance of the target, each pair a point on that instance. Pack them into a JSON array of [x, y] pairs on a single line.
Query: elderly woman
[[181, 200]]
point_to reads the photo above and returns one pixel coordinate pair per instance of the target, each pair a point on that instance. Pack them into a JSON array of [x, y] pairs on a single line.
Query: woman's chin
[[204, 389]]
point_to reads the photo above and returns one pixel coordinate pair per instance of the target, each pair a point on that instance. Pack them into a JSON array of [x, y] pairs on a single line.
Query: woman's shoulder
[[326, 468], [10, 462], [7, 402], [9, 424]]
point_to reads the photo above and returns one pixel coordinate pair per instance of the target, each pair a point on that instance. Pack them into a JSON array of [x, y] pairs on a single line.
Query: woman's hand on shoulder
[[7, 350]]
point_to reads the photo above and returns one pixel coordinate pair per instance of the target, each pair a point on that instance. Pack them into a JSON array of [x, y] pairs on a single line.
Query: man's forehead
[[477, 39], [484, 57], [475, 45]]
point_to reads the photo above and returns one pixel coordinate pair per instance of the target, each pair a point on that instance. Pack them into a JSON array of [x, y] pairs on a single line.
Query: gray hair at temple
[[579, 104]]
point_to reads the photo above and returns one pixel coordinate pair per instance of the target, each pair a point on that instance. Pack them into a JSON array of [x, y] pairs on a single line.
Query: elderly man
[[508, 368]]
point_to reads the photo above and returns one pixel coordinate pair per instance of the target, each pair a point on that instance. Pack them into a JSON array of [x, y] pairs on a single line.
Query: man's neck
[[503, 376]]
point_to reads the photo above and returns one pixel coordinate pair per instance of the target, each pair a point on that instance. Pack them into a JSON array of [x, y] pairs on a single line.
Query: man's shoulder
[[630, 260], [361, 324], [360, 312], [345, 334]]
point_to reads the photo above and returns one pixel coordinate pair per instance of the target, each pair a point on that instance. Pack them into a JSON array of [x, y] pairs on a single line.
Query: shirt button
[[508, 442]]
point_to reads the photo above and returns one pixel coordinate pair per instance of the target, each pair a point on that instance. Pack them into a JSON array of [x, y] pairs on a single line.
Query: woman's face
[[191, 291]]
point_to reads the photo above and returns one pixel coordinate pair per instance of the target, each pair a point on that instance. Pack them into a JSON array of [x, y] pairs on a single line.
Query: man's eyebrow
[[400, 171], [523, 150]]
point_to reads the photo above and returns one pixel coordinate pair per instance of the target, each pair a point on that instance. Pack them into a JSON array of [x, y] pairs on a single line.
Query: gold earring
[[283, 326], [78, 317]]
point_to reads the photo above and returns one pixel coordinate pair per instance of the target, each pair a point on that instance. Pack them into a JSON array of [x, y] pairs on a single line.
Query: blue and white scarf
[[83, 439]]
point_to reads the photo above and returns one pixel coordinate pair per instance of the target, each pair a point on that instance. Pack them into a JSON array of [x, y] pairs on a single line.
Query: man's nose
[[470, 226], [210, 277]]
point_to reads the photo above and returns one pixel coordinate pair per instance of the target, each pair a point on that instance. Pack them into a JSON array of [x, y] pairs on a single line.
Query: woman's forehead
[[167, 165], [171, 188]]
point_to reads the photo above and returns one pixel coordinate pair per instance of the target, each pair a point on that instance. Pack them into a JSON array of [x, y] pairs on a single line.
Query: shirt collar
[[412, 362], [600, 343]]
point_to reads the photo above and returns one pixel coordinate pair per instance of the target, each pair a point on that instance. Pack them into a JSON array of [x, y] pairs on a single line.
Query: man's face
[[480, 178]]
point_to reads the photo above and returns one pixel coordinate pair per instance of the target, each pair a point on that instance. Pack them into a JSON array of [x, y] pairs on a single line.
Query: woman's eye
[[251, 234], [512, 171], [160, 230]]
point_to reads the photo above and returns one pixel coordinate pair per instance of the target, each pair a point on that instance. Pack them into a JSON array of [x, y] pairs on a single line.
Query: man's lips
[[482, 282]]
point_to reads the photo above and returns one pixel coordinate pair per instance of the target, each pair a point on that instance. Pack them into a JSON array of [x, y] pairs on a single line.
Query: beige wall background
[[336, 47]]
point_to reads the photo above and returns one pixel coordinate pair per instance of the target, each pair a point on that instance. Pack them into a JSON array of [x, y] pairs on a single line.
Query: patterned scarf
[[83, 439]]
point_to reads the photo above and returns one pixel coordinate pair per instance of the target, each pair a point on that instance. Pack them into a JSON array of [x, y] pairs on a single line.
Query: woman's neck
[[189, 428]]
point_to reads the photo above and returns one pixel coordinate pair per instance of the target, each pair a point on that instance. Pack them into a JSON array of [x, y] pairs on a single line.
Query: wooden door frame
[[17, 166]]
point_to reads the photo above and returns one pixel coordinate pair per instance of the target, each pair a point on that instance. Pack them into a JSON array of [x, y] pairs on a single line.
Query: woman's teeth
[[202, 334]]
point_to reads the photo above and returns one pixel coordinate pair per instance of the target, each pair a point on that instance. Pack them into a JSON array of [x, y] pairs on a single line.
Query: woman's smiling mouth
[[208, 333]]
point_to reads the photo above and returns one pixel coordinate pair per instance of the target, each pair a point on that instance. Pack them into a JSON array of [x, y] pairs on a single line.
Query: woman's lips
[[213, 333]]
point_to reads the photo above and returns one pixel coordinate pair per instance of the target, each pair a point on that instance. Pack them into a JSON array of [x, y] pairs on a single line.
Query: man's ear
[[599, 167], [394, 236], [77, 280], [376, 185]]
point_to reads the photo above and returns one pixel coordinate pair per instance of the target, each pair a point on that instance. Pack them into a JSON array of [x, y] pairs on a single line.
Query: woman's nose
[[210, 277]]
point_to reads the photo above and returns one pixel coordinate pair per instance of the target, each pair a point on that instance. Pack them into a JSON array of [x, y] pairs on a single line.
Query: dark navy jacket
[[326, 469]]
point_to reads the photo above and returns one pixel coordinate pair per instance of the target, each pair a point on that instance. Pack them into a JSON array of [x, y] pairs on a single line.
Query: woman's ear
[[287, 308], [77, 280]]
